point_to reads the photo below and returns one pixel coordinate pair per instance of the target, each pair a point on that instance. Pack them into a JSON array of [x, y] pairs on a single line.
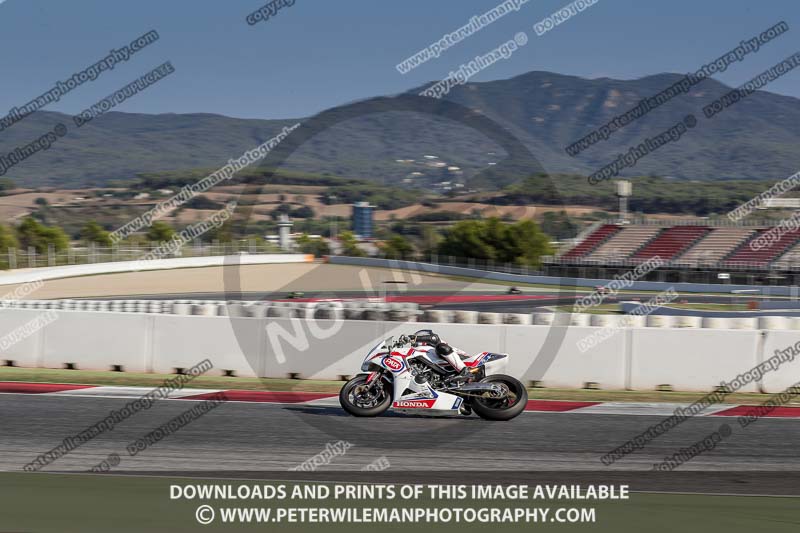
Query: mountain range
[[757, 138]]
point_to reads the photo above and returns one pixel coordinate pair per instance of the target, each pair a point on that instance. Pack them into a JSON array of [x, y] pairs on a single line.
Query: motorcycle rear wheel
[[358, 401], [505, 408]]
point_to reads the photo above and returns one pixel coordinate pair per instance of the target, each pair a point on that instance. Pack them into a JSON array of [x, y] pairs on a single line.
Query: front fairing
[[378, 349]]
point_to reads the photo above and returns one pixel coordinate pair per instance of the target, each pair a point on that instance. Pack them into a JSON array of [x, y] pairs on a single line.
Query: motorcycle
[[406, 376]]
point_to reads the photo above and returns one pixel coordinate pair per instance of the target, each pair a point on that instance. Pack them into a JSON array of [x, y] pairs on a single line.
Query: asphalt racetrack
[[322, 281], [263, 441]]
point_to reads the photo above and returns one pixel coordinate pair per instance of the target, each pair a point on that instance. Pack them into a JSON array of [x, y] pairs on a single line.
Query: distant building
[[362, 219], [284, 233]]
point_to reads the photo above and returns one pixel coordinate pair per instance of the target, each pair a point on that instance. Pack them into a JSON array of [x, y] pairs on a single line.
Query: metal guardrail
[[16, 258], [759, 266], [487, 265], [712, 223], [601, 276]]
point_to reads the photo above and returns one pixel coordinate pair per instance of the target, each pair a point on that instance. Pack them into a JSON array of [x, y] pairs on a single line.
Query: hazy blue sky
[[319, 53]]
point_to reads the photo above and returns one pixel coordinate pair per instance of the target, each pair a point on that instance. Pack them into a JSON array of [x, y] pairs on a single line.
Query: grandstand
[[685, 246], [716, 245], [603, 233], [766, 254], [671, 242], [792, 255], [623, 243]]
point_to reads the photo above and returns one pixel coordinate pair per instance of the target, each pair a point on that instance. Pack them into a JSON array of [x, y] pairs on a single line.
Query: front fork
[[374, 380]]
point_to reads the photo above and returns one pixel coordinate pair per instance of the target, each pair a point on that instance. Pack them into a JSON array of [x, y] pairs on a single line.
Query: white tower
[[284, 231], [623, 192]]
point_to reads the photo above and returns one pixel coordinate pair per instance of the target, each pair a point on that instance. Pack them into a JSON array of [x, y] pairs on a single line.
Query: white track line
[[127, 392], [645, 409], [604, 408]]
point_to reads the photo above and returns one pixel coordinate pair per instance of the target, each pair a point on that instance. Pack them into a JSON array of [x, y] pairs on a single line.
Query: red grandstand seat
[[762, 256], [592, 241], [671, 242]]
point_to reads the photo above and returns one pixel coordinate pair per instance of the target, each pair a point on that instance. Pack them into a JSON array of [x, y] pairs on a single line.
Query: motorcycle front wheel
[[359, 398], [511, 404]]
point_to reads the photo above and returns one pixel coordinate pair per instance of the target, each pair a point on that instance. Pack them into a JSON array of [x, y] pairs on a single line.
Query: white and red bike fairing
[[406, 375]]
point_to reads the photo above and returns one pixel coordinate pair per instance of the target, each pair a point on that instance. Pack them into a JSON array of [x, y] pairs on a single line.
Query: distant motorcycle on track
[[405, 375]]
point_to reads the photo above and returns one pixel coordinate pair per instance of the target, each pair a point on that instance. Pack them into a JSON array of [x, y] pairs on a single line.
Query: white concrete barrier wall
[[24, 350], [323, 349], [691, 359], [97, 340], [788, 374], [531, 347], [636, 358], [229, 343]]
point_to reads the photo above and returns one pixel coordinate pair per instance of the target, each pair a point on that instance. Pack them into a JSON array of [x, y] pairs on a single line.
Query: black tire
[[501, 409], [379, 408]]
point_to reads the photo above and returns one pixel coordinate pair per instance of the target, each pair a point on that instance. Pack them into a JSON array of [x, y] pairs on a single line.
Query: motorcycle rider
[[427, 337]]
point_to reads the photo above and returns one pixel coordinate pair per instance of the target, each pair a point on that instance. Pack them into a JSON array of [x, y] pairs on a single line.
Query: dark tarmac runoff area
[[264, 441]]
